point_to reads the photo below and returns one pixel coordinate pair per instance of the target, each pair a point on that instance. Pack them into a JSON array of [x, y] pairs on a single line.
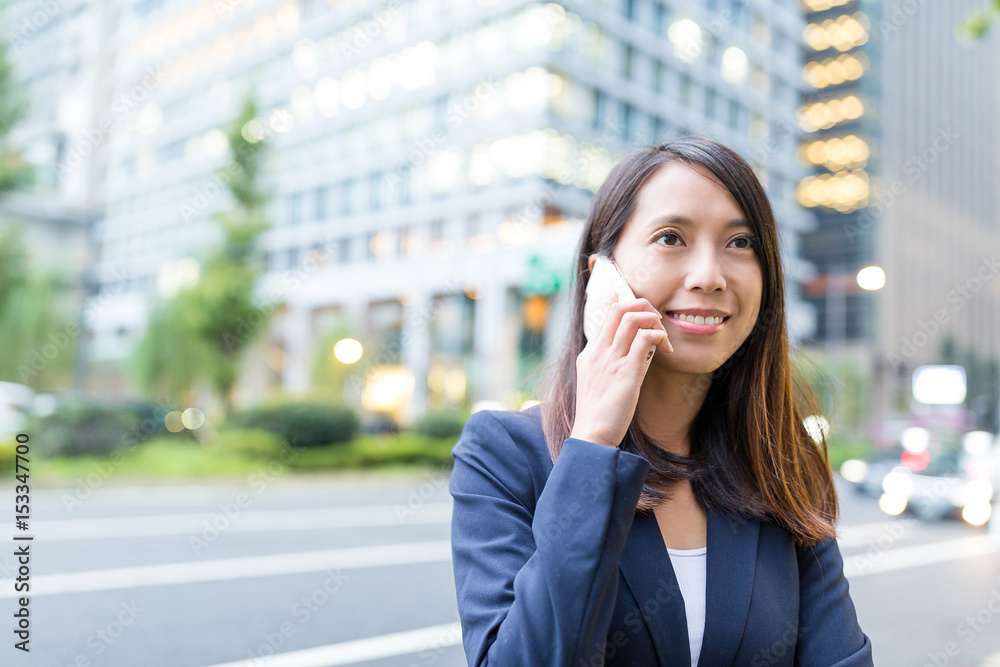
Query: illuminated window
[[842, 33]]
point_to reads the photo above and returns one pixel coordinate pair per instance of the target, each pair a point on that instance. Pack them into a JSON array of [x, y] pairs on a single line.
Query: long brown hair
[[751, 455]]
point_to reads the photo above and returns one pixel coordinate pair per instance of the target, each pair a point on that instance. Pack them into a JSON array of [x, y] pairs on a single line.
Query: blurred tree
[[14, 173], [13, 265], [38, 347], [211, 323], [842, 388], [37, 339], [168, 359], [977, 25]]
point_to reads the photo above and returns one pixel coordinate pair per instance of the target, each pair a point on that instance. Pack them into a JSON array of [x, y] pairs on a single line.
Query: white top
[[689, 568]]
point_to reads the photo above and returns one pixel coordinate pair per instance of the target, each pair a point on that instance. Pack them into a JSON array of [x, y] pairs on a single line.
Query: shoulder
[[504, 431], [508, 446]]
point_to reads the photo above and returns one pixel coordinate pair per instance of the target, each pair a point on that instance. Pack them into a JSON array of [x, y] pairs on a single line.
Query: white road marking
[[862, 534], [241, 520], [362, 650], [902, 558], [237, 568]]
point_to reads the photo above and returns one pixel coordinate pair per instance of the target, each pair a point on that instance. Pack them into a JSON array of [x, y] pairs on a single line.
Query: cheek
[[645, 273]]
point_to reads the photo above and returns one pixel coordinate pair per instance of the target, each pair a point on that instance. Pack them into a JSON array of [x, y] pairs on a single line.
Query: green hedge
[[8, 455], [443, 424], [97, 429], [301, 425], [369, 451], [247, 443]]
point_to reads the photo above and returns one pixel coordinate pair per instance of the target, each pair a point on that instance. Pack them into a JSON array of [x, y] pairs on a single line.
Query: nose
[[704, 271]]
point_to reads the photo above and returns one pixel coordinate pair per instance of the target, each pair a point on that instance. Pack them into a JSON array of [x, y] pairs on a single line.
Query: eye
[[751, 242], [663, 235]]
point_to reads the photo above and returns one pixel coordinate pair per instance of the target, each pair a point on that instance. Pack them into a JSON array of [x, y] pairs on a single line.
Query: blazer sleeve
[[829, 633], [538, 588]]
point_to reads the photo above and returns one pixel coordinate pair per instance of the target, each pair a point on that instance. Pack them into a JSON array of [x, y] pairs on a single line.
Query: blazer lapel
[[731, 559], [646, 566]]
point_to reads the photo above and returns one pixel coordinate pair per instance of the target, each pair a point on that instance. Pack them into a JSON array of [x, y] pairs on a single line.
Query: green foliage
[[247, 443], [977, 25], [378, 451], [8, 455], [13, 264], [842, 388], [441, 424], [301, 425], [841, 450], [40, 346], [94, 430], [206, 328], [246, 159], [168, 359], [14, 174]]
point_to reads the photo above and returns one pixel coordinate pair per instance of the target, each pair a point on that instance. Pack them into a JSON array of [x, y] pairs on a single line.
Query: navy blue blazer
[[554, 567]]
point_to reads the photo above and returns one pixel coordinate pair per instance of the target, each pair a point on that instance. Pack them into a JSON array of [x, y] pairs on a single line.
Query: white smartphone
[[605, 278]]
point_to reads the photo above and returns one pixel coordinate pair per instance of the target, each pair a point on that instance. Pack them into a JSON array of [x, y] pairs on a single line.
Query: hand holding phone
[[622, 334]]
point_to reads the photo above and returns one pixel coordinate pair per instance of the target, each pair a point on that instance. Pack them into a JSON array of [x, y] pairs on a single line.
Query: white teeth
[[697, 319]]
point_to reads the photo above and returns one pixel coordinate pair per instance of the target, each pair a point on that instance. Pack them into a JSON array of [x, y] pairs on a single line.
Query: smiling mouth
[[697, 319]]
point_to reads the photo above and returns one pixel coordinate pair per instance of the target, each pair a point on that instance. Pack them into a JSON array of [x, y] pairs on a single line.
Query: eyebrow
[[687, 222]]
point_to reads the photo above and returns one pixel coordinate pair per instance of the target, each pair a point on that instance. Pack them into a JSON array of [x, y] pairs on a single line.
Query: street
[[355, 569]]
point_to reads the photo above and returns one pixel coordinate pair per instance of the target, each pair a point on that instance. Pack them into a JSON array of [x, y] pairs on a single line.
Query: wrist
[[590, 437]]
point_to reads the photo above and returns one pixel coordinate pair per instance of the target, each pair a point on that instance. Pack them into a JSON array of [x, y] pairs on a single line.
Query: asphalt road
[[343, 570]]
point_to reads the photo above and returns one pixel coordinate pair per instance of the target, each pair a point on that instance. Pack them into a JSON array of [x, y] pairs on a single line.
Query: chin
[[697, 366]]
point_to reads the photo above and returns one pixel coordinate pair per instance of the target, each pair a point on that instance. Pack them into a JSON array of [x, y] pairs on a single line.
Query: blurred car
[[933, 482]]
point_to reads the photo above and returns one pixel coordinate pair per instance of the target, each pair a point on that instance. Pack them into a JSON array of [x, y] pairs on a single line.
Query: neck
[[668, 403]]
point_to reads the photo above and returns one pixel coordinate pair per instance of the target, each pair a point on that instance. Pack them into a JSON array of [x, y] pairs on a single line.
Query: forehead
[[678, 190]]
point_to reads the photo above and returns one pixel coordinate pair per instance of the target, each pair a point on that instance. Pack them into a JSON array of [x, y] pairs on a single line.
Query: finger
[[645, 339], [631, 322]]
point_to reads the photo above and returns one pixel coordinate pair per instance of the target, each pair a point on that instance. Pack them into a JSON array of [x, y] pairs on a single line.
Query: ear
[[590, 262]]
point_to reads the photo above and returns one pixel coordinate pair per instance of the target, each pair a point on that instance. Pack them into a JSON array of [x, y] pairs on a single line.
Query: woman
[[675, 514]]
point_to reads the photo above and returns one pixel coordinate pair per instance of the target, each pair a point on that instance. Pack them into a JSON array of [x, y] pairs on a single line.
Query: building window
[[440, 112], [661, 19], [436, 230], [685, 90], [471, 226], [627, 113], [344, 250], [734, 115], [295, 208], [346, 193], [627, 62], [403, 183], [657, 129], [321, 195], [599, 101], [658, 76], [630, 10], [406, 241], [710, 102], [375, 191]]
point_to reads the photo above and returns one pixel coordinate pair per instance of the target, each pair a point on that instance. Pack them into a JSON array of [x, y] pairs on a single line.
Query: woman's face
[[689, 247]]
